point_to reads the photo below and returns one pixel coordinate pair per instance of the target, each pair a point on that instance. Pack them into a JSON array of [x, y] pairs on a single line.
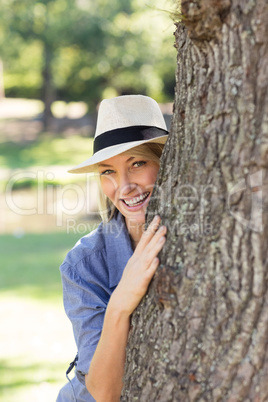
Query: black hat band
[[127, 134]]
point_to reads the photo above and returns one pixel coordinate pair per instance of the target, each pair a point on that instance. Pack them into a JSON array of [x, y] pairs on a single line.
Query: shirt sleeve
[[85, 301]]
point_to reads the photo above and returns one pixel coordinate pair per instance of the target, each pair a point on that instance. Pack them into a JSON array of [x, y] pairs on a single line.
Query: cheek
[[152, 176], [108, 187], [155, 176]]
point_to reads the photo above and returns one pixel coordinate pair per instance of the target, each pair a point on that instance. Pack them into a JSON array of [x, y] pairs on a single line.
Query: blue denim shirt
[[90, 273]]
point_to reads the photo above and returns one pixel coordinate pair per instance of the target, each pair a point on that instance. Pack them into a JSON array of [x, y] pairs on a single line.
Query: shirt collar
[[118, 248]]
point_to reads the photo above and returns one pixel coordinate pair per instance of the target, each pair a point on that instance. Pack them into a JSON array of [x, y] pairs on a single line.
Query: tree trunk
[[201, 332], [2, 87], [48, 92]]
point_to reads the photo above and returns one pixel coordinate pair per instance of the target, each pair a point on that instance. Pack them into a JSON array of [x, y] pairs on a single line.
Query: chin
[[135, 219]]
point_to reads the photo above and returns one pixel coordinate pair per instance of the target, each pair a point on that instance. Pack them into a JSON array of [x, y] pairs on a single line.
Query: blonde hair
[[150, 150]]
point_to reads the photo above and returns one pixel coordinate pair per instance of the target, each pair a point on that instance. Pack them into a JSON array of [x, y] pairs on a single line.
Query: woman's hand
[[139, 269]]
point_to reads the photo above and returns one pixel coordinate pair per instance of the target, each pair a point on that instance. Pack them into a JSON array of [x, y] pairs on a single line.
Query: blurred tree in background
[[86, 50]]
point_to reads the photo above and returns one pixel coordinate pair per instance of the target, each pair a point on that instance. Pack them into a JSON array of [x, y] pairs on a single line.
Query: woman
[[107, 273]]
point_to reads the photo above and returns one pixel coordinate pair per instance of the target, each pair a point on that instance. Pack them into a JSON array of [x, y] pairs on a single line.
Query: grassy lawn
[[45, 151], [36, 342]]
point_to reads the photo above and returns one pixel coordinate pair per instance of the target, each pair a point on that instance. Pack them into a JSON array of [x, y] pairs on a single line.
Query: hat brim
[[90, 164]]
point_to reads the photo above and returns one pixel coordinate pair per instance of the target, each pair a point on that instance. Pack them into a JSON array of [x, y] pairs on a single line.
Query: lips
[[135, 201]]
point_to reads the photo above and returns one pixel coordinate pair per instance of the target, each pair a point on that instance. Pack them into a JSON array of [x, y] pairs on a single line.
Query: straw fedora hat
[[123, 123]]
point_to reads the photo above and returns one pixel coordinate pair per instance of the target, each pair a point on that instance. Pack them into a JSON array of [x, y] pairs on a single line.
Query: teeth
[[136, 200]]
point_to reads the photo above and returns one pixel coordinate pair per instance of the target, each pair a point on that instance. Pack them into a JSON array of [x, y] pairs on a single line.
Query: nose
[[125, 184]]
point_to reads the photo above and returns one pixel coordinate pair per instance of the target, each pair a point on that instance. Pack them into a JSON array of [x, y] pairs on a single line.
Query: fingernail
[[162, 239]]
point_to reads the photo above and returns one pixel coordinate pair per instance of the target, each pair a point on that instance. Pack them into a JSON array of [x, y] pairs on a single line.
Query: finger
[[152, 252], [161, 232], [149, 254], [153, 226], [149, 233], [152, 268], [151, 246]]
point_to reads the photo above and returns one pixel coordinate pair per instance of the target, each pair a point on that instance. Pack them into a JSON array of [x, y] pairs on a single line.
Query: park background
[[58, 59]]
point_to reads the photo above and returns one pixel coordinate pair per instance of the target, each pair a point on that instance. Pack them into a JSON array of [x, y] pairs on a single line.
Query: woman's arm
[[105, 377]]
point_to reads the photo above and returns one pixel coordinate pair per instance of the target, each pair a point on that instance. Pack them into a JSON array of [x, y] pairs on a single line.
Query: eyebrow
[[107, 165], [104, 165]]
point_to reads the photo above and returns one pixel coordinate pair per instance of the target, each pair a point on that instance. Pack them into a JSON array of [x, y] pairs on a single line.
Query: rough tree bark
[[48, 91], [201, 332]]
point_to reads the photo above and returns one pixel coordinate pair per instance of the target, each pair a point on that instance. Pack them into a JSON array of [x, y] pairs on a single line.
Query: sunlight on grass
[[20, 108], [45, 151], [36, 341], [33, 269], [36, 345]]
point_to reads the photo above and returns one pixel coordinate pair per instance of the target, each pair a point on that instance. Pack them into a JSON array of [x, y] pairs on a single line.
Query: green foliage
[[91, 46], [176, 14]]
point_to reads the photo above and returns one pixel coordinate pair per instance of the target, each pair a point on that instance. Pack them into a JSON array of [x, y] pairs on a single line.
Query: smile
[[136, 200]]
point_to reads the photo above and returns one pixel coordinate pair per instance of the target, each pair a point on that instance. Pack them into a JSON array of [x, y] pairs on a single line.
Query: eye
[[106, 172], [139, 163]]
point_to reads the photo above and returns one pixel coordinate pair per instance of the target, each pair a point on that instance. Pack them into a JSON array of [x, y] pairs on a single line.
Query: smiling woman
[[141, 154], [128, 184], [107, 273]]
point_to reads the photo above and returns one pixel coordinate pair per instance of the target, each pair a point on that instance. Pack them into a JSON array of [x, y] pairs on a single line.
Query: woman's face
[[128, 182]]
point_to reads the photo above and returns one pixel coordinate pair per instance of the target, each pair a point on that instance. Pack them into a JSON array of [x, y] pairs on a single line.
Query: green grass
[[36, 341], [30, 264], [45, 151]]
